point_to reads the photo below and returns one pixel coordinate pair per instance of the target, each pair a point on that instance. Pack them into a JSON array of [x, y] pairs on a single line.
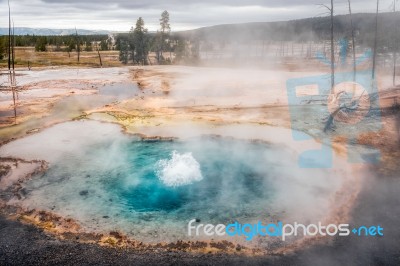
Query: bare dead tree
[[14, 83], [78, 47], [343, 107], [332, 51], [375, 41], [11, 62], [9, 36], [330, 9], [13, 47], [13, 59], [394, 47], [98, 52], [353, 42]]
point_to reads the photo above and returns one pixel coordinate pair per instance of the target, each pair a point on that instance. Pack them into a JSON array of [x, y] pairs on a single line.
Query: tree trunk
[[375, 41], [78, 48], [11, 64], [9, 36], [13, 82], [353, 43], [394, 47], [98, 52], [332, 52]]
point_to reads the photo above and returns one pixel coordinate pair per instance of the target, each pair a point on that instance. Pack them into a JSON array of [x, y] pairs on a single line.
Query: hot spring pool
[[151, 189]]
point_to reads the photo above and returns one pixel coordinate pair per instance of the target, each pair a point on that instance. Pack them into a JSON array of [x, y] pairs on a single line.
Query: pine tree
[[131, 45], [40, 45], [88, 47], [163, 35], [140, 41], [103, 45], [123, 51]]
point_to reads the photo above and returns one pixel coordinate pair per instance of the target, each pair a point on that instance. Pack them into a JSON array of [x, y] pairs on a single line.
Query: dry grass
[[23, 55]]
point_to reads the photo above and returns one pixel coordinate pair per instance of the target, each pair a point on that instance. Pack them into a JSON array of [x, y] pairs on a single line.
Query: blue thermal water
[[152, 194], [151, 189], [130, 171]]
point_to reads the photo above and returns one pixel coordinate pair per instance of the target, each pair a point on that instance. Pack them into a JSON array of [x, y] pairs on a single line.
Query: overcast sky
[[185, 14]]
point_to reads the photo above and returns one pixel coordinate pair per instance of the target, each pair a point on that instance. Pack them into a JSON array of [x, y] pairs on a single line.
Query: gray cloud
[[120, 15]]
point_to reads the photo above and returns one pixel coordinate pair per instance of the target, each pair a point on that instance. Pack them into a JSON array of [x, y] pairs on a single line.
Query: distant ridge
[[307, 29], [51, 32]]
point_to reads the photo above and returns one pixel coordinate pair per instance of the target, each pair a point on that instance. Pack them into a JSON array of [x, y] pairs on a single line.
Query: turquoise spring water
[[150, 190], [135, 173], [134, 185]]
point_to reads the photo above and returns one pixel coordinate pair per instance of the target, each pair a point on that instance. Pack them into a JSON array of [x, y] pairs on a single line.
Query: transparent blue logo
[[349, 110]]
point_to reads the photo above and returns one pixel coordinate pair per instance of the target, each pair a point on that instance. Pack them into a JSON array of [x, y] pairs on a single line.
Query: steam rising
[[150, 190]]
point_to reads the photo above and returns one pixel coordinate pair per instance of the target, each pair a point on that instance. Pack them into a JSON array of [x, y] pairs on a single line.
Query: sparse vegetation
[[40, 45], [28, 55], [2, 48]]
